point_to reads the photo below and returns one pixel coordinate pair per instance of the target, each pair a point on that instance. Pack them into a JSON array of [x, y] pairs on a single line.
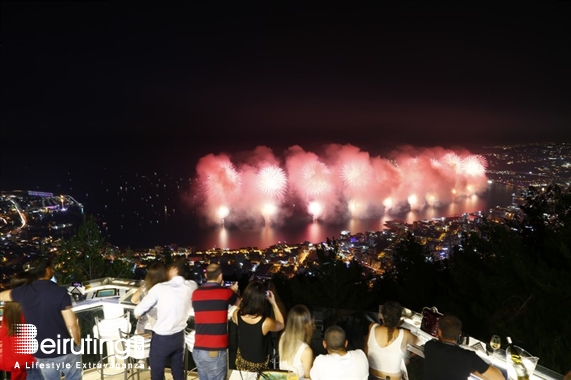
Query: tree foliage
[[85, 255], [414, 277], [513, 279], [330, 282]]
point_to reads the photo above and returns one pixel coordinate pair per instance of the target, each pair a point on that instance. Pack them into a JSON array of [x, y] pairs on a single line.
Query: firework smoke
[[341, 182]]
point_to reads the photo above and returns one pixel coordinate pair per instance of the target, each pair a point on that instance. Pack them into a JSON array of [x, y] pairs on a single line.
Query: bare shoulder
[[371, 325], [307, 355], [409, 337]]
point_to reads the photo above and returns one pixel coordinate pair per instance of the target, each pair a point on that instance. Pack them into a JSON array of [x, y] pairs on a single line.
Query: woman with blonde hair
[[295, 352], [386, 344]]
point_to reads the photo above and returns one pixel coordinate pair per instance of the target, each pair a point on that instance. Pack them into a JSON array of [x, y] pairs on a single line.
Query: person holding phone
[[254, 327], [211, 303]]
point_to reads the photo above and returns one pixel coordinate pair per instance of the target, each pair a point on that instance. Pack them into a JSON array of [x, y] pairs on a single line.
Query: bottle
[[520, 370]]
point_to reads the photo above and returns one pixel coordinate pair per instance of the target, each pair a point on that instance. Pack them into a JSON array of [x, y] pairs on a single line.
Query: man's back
[[42, 303], [210, 303], [173, 302], [444, 361], [351, 366]]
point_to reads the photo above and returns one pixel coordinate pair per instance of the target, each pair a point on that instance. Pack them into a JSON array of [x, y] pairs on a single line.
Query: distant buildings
[[33, 222]]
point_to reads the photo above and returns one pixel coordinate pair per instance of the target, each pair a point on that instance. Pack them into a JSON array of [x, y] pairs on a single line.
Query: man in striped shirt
[[210, 303]]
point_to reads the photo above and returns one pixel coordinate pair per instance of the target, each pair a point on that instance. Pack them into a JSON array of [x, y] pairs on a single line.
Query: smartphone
[[267, 292], [228, 283]]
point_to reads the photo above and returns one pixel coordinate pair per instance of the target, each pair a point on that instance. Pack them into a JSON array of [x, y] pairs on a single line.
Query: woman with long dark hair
[[386, 344], [254, 327], [156, 273]]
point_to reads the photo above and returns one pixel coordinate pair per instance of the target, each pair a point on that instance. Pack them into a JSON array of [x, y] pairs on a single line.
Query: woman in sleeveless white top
[[385, 359], [295, 352], [386, 345], [296, 365]]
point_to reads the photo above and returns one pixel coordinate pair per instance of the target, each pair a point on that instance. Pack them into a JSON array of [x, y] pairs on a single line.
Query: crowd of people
[[167, 301]]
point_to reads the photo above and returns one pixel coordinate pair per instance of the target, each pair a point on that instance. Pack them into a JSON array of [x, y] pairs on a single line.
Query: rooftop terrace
[[109, 297]]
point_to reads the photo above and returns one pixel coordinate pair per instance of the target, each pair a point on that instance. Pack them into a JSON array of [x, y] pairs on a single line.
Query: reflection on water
[[262, 237]]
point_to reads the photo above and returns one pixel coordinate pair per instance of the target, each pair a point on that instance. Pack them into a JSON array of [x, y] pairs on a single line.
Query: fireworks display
[[342, 182], [272, 181]]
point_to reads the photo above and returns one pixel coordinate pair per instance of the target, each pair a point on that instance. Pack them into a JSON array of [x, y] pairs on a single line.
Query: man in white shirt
[[339, 364], [173, 301]]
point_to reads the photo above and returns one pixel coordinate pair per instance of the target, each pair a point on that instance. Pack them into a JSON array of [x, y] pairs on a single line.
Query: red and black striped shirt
[[210, 303]]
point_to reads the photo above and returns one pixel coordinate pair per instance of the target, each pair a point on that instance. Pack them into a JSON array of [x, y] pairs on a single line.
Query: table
[[498, 360]]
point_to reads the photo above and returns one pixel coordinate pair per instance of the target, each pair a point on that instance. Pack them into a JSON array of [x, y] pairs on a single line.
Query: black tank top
[[252, 342]]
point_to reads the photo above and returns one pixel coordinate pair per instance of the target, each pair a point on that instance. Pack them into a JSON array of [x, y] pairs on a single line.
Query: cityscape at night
[[417, 151]]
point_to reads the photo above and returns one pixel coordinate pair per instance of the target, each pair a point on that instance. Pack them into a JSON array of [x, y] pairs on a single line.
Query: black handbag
[[430, 317]]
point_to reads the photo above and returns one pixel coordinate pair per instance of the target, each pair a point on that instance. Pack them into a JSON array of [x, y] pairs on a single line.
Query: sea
[[189, 229], [142, 201]]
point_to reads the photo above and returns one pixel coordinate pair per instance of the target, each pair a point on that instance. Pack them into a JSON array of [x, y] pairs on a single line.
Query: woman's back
[[252, 343], [295, 353], [254, 327], [296, 363], [156, 274], [384, 354]]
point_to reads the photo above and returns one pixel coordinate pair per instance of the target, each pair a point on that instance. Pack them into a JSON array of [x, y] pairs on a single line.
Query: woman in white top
[[386, 344], [295, 353]]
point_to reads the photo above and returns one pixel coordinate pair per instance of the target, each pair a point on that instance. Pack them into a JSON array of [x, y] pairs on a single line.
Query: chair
[[113, 310], [137, 348], [189, 338], [107, 330]]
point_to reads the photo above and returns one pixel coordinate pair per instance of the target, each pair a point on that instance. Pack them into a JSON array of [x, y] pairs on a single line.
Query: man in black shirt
[[47, 306], [445, 360]]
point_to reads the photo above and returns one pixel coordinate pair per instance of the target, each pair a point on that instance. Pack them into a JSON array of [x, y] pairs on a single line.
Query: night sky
[[212, 76]]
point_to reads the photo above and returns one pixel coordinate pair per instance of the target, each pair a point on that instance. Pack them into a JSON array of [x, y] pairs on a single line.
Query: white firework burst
[[272, 181], [224, 183], [316, 179]]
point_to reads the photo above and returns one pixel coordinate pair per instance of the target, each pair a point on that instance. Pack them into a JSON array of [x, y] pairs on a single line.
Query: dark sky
[[232, 75]]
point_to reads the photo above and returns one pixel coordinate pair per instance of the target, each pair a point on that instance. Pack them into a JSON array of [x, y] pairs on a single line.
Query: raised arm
[[235, 316], [137, 296], [147, 302], [276, 323], [236, 291]]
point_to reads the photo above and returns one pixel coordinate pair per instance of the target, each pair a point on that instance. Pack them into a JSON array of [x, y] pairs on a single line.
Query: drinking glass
[[292, 375], [495, 343]]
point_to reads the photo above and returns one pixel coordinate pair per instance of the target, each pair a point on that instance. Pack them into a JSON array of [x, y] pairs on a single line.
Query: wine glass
[[495, 343]]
